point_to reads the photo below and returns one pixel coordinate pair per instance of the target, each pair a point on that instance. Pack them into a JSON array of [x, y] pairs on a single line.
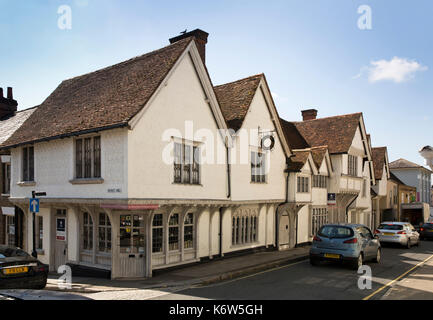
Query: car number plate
[[332, 256], [17, 270], [389, 234]]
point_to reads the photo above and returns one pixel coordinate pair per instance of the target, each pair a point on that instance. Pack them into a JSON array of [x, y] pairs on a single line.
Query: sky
[[322, 54]]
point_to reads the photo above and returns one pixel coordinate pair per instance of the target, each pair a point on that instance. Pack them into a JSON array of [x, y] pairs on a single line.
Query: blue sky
[[312, 52]]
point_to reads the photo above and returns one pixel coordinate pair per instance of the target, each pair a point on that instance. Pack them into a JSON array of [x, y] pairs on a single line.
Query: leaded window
[[188, 237], [87, 232], [319, 218], [173, 232], [244, 229], [303, 184], [28, 172], [104, 232], [88, 158], [157, 233], [186, 164], [258, 167]]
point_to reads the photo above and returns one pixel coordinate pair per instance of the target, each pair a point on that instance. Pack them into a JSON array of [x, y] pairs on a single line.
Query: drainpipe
[[229, 192], [221, 232], [277, 230]]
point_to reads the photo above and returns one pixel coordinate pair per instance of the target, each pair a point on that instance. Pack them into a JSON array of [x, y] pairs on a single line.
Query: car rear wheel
[[378, 256]]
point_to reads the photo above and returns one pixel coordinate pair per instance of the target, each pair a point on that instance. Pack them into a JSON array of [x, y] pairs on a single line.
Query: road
[[301, 281]]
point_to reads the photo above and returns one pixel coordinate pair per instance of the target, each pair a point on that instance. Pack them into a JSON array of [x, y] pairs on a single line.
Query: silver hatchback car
[[353, 243], [402, 233]]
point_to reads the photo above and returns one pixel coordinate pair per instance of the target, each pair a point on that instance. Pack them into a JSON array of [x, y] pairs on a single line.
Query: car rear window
[[391, 227], [336, 232], [12, 252]]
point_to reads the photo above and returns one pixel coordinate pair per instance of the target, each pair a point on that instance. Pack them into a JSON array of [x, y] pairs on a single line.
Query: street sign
[[34, 205], [332, 199]]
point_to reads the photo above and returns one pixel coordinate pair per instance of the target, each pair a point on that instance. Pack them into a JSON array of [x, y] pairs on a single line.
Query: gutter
[[66, 135]]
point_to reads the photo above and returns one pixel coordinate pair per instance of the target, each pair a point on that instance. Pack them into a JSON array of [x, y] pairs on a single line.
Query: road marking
[[397, 279], [248, 276]]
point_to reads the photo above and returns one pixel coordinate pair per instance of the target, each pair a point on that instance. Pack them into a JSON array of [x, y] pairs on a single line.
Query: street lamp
[[427, 154], [33, 209]]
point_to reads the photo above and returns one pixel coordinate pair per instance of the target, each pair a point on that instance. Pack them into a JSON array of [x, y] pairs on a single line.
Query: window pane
[[173, 238], [31, 164], [87, 158], [25, 165], [97, 157], [157, 240], [79, 158]]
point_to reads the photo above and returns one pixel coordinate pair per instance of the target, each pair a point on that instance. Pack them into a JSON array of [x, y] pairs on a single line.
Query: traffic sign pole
[[34, 206]]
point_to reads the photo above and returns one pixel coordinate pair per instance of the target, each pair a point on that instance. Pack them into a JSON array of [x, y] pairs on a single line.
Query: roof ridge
[[240, 80], [331, 117], [131, 60]]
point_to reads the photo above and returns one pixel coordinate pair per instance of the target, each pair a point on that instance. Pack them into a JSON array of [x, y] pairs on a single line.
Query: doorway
[[132, 245], [60, 246]]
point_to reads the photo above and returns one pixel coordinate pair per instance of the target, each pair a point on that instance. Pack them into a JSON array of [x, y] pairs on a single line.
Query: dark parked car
[[426, 231], [19, 270]]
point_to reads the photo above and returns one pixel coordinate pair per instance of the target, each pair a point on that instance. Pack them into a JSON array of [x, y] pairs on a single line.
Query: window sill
[[5, 194], [188, 184], [254, 182], [87, 181], [26, 183]]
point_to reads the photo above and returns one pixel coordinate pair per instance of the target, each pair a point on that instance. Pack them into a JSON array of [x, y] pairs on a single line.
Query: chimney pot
[[10, 95], [310, 114], [200, 40]]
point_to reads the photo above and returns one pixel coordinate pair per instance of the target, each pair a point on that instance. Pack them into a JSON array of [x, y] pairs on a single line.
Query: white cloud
[[397, 70]]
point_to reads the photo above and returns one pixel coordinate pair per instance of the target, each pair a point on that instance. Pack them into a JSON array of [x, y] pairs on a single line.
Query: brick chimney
[[200, 40], [8, 106], [310, 114]]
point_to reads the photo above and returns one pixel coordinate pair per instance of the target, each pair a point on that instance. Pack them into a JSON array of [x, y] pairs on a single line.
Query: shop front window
[[173, 233]]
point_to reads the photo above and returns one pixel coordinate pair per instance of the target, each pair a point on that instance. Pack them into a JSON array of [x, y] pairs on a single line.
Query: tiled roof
[[335, 132], [379, 160], [403, 163], [292, 135], [10, 125], [235, 99], [298, 160], [106, 98], [318, 155]]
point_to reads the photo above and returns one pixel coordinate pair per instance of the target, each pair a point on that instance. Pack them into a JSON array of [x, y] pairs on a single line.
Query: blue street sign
[[34, 205]]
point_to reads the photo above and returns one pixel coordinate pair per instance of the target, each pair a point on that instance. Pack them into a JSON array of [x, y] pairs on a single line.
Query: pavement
[[199, 274], [417, 286]]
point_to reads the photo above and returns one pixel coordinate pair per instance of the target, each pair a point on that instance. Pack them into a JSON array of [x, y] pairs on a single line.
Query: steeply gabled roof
[[235, 99], [292, 135], [379, 160], [335, 132], [103, 99], [318, 155], [298, 160], [9, 125]]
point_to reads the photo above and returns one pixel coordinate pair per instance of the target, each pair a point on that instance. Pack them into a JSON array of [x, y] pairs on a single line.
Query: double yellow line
[[397, 279]]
